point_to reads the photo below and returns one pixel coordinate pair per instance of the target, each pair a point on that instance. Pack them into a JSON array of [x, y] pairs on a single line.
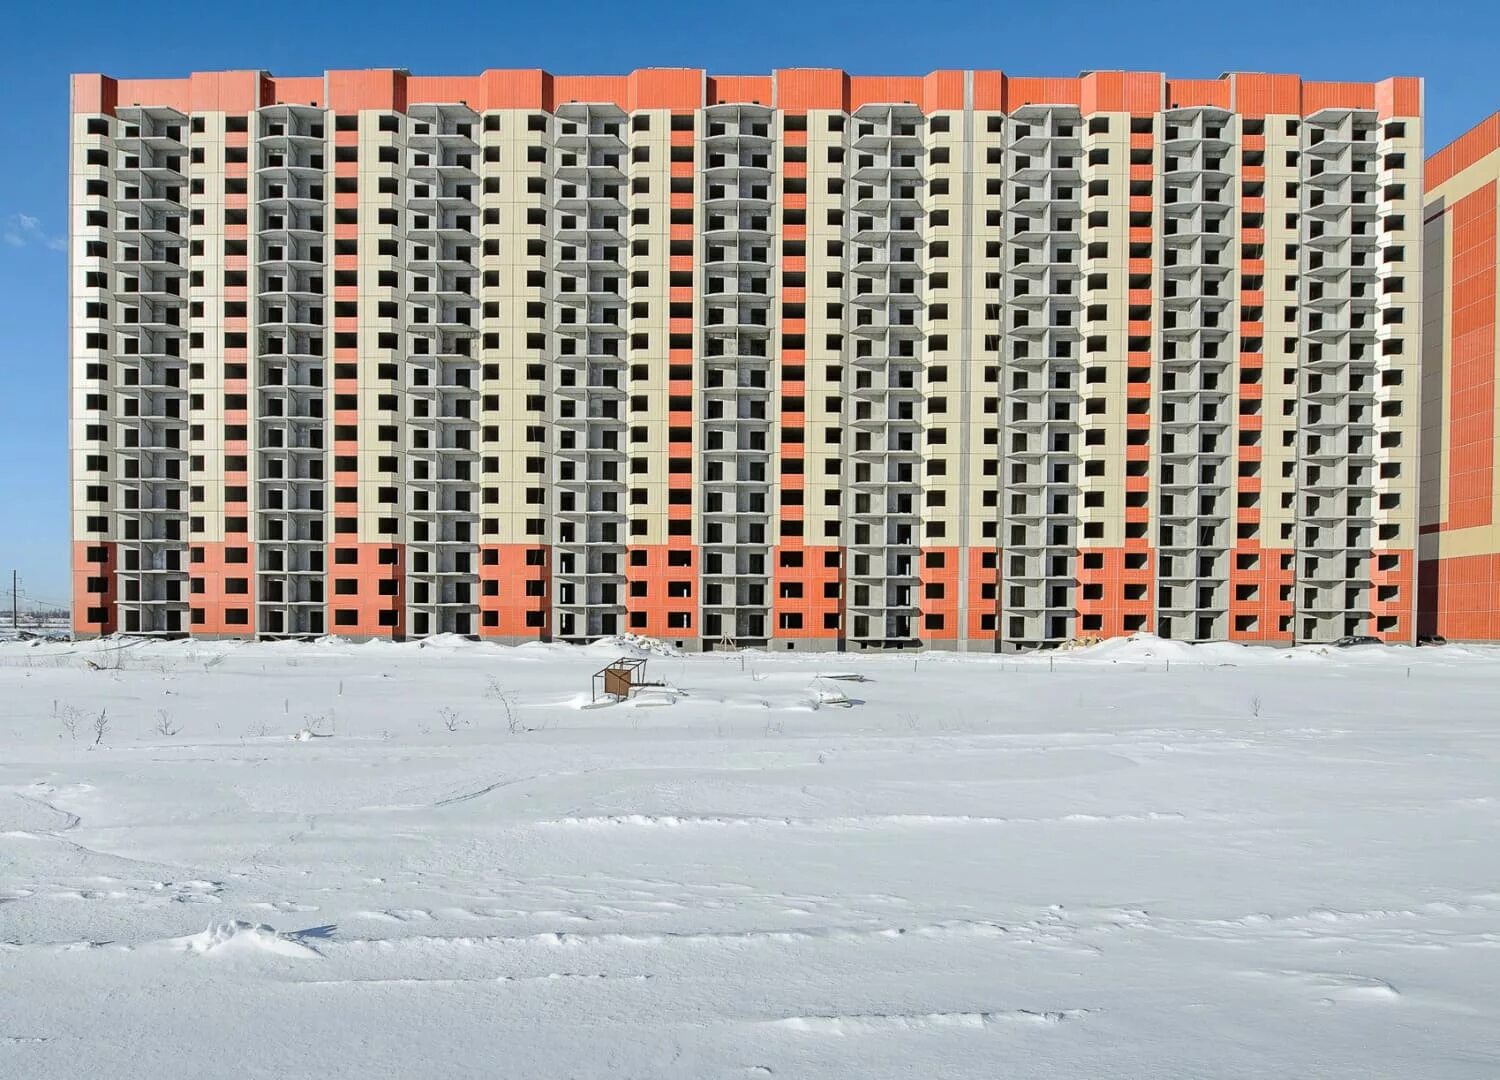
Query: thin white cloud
[[24, 230]]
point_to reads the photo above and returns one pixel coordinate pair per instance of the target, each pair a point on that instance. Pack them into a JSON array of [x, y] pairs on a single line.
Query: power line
[[17, 593], [59, 604]]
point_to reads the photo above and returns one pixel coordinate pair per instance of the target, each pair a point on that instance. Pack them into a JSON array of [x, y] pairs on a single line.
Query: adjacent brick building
[[1460, 521]]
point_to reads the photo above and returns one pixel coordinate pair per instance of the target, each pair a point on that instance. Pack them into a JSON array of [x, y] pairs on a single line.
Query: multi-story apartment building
[[1459, 581], [806, 360]]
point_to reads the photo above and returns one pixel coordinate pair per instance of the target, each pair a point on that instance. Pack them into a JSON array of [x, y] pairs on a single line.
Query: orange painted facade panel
[[1136, 92], [989, 90], [938, 593], [665, 88], [1191, 93], [1127, 593], [884, 89], [515, 591], [306, 90], [1317, 96], [1044, 91], [1400, 582], [94, 587], [94, 94], [524, 89], [1260, 95], [1460, 597], [377, 88], [1467, 150], [1400, 96], [213, 91], [739, 89], [657, 613], [649, 88], [218, 587], [801, 89], [379, 574], [1268, 584], [465, 89], [592, 88], [819, 580], [173, 93], [943, 91], [227, 91], [1470, 436], [795, 90]]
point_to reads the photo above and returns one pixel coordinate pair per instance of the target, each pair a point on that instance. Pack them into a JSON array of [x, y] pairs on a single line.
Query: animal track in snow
[[194, 892], [283, 906], [586, 939], [875, 1023], [677, 821], [398, 915]]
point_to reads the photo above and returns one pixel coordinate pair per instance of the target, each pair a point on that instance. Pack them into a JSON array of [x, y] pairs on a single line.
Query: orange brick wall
[[1471, 421], [813, 576], [1459, 595], [505, 570], [209, 576], [85, 597], [648, 567], [380, 570]]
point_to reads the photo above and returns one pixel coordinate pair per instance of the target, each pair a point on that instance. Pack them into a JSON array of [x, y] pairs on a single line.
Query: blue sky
[[1452, 44]]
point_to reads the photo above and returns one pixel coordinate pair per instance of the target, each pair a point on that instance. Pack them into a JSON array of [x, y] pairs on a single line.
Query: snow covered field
[[1139, 860]]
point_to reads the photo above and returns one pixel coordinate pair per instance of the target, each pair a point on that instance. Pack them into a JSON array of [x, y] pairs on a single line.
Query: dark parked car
[[1432, 639], [1355, 639]]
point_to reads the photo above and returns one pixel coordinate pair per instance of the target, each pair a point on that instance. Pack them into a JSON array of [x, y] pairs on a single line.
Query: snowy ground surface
[[1138, 860]]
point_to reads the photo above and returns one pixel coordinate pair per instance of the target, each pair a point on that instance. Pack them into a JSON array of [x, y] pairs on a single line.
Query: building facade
[[1459, 582], [806, 360]]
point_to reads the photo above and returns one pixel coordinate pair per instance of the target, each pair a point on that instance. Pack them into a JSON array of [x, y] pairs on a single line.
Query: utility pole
[[15, 601]]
